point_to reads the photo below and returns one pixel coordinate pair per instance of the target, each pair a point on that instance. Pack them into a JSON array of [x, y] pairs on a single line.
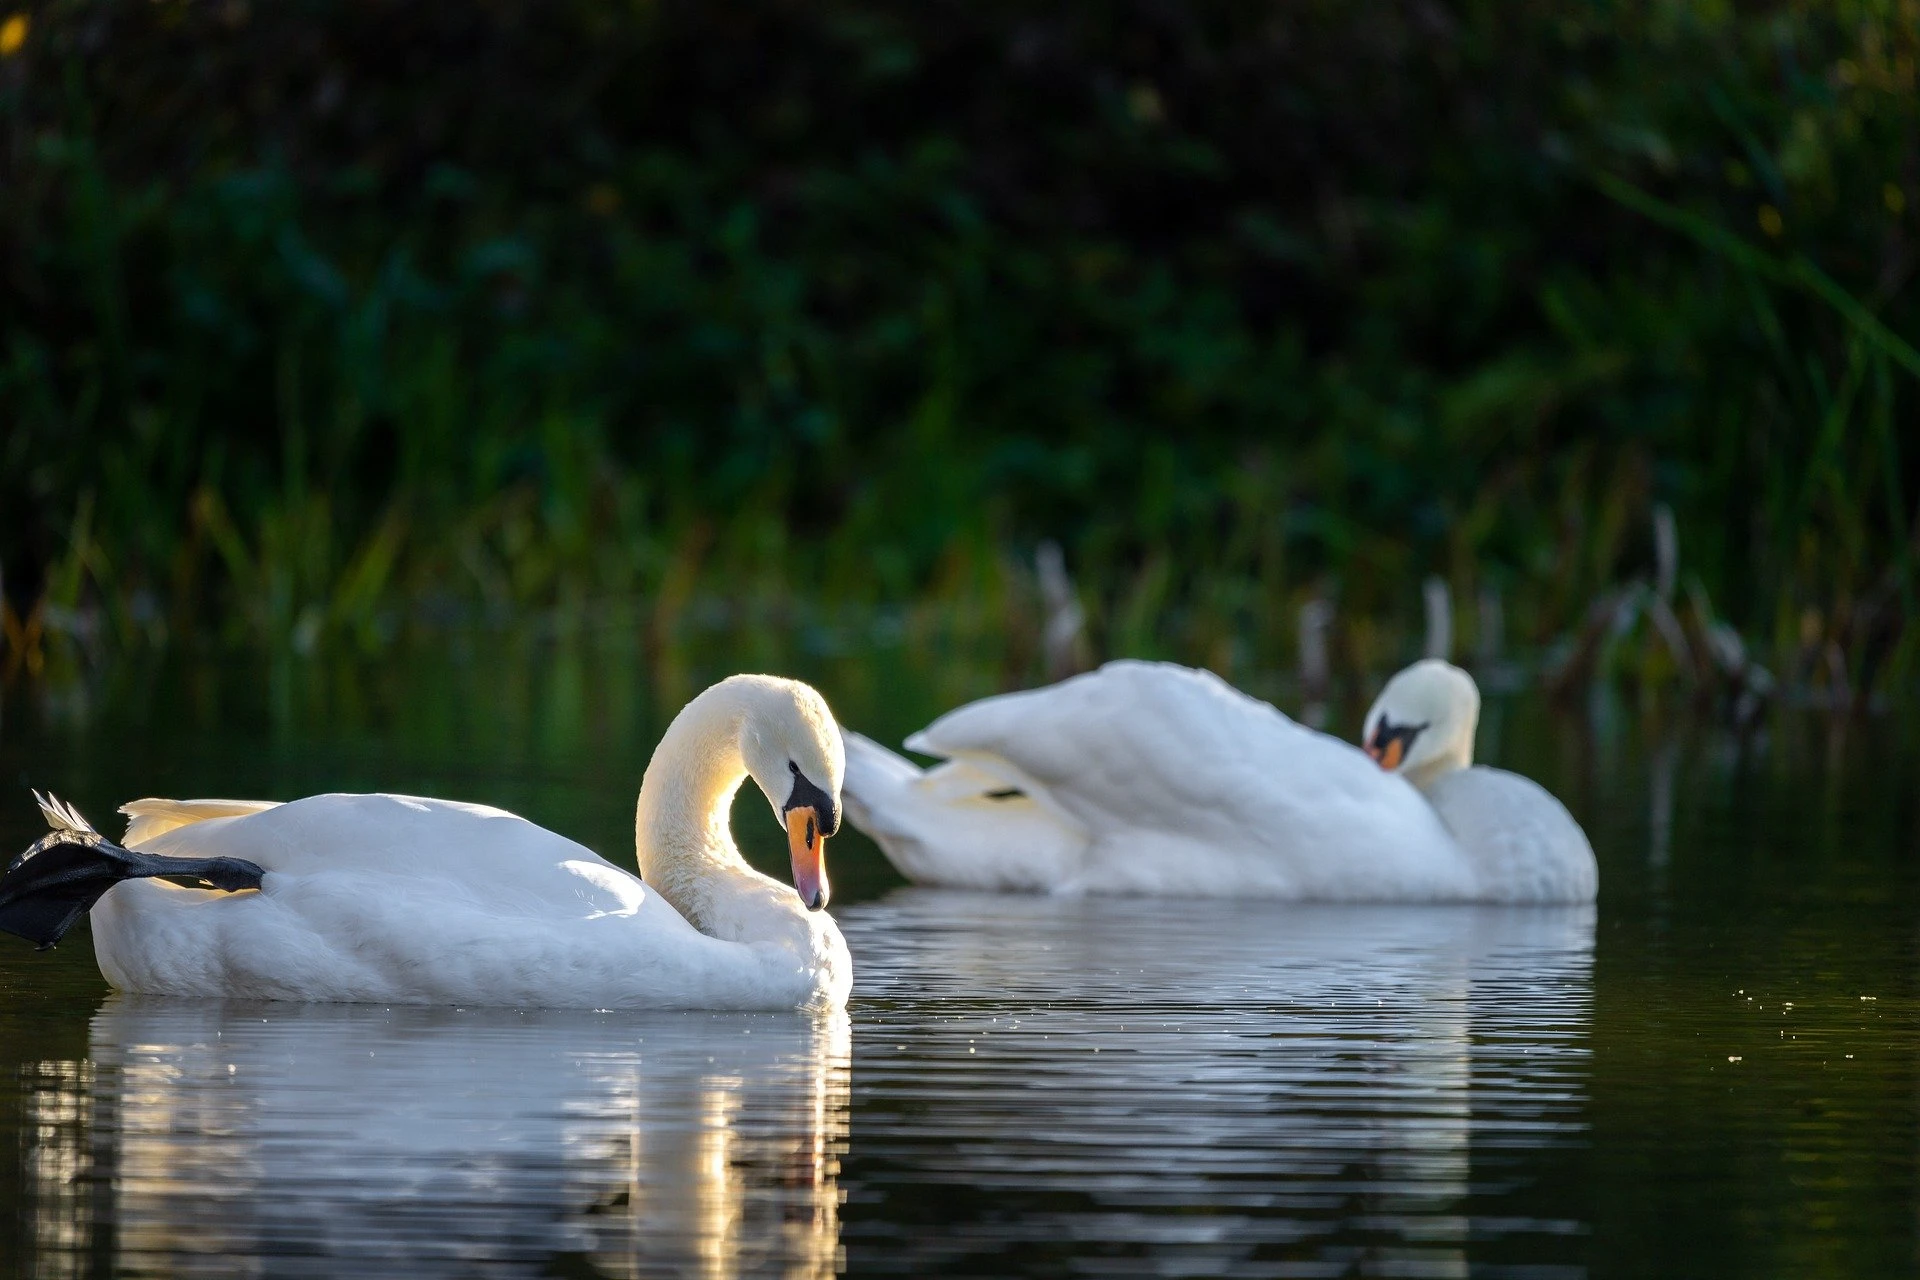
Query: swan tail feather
[[871, 766], [877, 794], [62, 816], [60, 876], [875, 777]]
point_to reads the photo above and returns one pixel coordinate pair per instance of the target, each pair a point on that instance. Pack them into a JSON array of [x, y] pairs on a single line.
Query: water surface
[[1712, 1073]]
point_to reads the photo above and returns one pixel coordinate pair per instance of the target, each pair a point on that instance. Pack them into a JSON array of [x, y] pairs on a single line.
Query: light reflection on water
[[1728, 1083], [224, 1138], [1105, 1086], [1209, 1089]]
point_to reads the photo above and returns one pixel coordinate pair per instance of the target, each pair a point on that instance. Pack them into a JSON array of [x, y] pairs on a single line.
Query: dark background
[[321, 319]]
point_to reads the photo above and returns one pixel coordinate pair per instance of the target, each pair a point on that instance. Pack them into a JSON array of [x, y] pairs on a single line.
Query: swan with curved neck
[[1522, 844], [1149, 778], [401, 899], [777, 732]]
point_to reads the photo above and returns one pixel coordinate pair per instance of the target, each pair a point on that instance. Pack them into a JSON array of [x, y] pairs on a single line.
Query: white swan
[[1149, 778], [395, 899], [1524, 845]]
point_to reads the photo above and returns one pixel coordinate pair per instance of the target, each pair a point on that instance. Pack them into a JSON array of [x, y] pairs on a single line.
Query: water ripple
[[222, 1138], [1139, 1087]]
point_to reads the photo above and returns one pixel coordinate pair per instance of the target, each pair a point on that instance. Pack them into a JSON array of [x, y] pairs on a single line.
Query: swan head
[[1423, 722], [792, 750]]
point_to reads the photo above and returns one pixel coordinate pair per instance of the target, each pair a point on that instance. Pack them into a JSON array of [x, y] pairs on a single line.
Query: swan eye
[[806, 795]]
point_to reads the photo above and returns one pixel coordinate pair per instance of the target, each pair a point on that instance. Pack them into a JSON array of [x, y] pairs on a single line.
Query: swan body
[[400, 899], [1525, 846], [1150, 778]]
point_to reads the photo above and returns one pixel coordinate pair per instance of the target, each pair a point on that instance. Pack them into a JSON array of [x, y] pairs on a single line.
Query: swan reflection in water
[[1094, 1086], [1187, 1087], [228, 1138]]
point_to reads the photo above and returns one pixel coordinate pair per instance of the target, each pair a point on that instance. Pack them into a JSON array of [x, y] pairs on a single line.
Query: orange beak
[[1388, 757], [809, 850]]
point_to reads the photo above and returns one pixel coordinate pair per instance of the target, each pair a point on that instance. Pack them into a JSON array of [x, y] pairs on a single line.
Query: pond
[[1712, 1072]]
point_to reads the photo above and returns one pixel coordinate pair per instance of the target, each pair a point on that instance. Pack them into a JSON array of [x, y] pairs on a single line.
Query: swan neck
[[681, 832], [1458, 755]]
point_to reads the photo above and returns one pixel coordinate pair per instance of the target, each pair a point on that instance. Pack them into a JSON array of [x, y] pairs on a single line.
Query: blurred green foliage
[[323, 316]]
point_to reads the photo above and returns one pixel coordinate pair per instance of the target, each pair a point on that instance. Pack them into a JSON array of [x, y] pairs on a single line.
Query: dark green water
[[1714, 1073]]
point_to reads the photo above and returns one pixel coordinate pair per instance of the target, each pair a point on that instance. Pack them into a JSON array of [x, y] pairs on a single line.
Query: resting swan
[[396, 899], [1150, 778]]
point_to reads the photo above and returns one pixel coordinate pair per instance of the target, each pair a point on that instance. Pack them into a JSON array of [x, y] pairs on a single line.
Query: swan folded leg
[[59, 878]]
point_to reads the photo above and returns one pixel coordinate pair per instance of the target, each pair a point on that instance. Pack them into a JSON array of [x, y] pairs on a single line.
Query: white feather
[[1150, 778], [62, 816], [400, 899], [152, 817]]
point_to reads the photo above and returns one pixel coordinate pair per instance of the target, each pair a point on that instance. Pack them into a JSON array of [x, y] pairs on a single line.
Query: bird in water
[[1151, 778], [402, 899]]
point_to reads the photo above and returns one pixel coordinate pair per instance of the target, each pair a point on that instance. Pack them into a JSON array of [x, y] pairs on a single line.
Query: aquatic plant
[[327, 320]]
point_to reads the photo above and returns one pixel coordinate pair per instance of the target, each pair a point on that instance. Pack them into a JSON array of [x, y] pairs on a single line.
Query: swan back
[[466, 849], [1185, 785], [1524, 845]]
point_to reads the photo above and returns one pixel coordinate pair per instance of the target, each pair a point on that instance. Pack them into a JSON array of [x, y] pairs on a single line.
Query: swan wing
[[1187, 785], [1140, 743], [404, 899], [973, 822], [1521, 842], [472, 849], [153, 817]]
